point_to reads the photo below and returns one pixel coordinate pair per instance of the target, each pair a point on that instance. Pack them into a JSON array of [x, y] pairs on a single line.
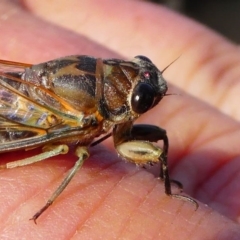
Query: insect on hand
[[73, 100]]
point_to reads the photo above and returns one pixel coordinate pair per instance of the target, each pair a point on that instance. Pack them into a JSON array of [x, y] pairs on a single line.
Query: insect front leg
[[83, 154], [134, 143], [151, 133]]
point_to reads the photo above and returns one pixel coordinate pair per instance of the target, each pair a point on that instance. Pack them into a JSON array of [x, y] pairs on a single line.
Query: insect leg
[[82, 153], [154, 134], [49, 151], [134, 143]]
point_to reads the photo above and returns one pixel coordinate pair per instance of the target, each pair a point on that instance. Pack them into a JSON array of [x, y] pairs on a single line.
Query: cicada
[[74, 100]]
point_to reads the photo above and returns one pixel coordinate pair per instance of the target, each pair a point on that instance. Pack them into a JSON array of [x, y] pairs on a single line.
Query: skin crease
[[108, 198]]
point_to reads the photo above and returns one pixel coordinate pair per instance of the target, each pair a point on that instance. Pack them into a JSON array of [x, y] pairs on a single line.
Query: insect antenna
[[170, 64], [170, 94]]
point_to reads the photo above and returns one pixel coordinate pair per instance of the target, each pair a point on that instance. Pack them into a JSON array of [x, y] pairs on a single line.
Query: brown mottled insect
[[76, 99]]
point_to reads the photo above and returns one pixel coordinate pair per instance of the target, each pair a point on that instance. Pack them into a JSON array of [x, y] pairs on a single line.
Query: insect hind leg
[[48, 151], [83, 154]]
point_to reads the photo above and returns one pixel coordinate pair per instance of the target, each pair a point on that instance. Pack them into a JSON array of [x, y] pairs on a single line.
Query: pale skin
[[108, 198]]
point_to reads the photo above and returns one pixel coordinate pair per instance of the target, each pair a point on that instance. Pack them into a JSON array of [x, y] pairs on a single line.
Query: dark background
[[220, 15]]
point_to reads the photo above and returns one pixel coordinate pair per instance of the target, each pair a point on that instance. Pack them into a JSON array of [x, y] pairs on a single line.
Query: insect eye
[[142, 98]]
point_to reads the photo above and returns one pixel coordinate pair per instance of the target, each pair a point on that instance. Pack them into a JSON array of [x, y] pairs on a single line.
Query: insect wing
[[23, 121]]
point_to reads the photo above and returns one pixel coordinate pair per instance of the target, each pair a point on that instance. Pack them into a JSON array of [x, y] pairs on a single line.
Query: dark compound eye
[[142, 98]]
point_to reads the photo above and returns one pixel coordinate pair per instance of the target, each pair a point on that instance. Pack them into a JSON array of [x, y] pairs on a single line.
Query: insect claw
[[39, 213], [186, 198], [178, 184], [33, 219]]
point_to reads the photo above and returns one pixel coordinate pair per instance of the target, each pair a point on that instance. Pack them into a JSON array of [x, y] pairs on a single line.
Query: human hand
[[109, 198]]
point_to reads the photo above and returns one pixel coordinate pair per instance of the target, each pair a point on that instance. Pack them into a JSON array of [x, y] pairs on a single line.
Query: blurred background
[[220, 15]]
